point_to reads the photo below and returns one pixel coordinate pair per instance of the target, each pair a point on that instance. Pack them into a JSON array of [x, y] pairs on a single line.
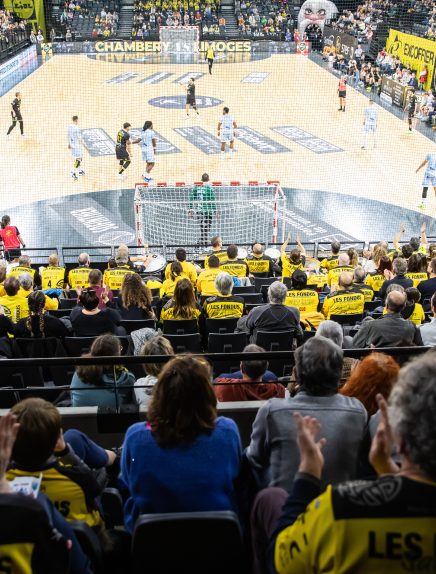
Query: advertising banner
[[393, 92], [31, 10], [413, 52], [344, 44]]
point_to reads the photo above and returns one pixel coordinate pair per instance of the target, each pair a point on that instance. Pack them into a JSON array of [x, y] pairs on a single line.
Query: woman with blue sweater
[[185, 458]]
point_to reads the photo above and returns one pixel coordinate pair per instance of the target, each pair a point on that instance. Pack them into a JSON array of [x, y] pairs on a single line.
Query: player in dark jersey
[[190, 97], [411, 105], [16, 114], [123, 149]]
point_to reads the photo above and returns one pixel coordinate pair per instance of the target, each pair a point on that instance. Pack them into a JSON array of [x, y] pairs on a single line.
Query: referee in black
[[190, 97], [16, 114]]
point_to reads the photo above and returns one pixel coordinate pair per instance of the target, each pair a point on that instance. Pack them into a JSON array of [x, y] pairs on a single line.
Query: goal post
[[240, 214], [179, 39]]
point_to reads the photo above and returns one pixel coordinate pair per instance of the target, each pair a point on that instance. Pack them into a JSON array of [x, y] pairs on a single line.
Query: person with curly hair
[[135, 298], [375, 374]]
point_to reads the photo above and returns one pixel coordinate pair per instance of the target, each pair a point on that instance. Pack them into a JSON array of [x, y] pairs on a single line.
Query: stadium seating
[[194, 538]]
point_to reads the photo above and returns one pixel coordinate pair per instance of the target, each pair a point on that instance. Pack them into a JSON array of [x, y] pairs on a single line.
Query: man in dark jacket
[[391, 329], [274, 316]]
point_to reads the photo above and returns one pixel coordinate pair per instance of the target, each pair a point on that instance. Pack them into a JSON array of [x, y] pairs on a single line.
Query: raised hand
[[311, 457]]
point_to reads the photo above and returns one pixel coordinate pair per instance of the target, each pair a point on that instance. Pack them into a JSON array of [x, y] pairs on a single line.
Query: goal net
[[179, 39], [240, 214]]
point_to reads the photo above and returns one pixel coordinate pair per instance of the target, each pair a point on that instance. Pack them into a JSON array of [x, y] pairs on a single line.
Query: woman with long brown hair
[[375, 374], [135, 299], [183, 304], [185, 458]]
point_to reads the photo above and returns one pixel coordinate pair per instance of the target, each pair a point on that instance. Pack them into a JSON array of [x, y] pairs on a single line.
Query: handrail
[[137, 360]]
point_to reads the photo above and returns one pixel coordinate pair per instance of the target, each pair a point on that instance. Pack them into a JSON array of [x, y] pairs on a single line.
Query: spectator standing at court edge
[[11, 239], [273, 451]]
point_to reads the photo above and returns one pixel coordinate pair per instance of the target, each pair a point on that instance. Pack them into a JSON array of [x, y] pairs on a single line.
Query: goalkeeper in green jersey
[[202, 204]]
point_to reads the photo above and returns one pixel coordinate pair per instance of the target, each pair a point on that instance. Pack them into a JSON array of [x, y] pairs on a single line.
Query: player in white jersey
[[370, 124], [74, 141], [148, 148], [226, 130], [429, 177]]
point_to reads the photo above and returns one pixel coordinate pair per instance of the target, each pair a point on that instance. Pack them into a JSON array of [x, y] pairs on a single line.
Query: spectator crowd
[[273, 20], [149, 15]]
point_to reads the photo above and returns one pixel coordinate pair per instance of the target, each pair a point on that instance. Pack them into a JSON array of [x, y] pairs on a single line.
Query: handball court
[[286, 107]]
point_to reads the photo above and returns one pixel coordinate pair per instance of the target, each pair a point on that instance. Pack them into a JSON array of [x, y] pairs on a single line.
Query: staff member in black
[[16, 114], [123, 148], [411, 104], [190, 97]]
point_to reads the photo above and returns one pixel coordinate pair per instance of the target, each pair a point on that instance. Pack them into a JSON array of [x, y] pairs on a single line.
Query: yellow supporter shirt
[[187, 268], [168, 313], [221, 307], [259, 265], [60, 486], [344, 303], [79, 277], [19, 270], [366, 290], [51, 303], [288, 268], [417, 316], [317, 280], [169, 285], [305, 300], [222, 256], [206, 281], [417, 278], [2, 290], [333, 274], [235, 268], [52, 277], [16, 307], [358, 527], [329, 262], [113, 278], [375, 280]]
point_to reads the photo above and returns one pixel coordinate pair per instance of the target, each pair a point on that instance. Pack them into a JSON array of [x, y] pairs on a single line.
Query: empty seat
[[182, 327], [185, 343], [277, 341], [226, 343], [221, 325], [194, 537], [253, 298], [349, 320], [243, 289]]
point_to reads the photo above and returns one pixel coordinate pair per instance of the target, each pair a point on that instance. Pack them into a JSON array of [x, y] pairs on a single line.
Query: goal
[[242, 214], [179, 39]]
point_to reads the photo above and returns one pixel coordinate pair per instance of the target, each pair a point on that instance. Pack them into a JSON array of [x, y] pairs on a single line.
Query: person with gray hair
[[359, 276], [78, 277], [26, 288], [224, 305], [397, 275], [273, 316], [273, 451], [391, 329], [334, 332], [25, 266], [381, 511]]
